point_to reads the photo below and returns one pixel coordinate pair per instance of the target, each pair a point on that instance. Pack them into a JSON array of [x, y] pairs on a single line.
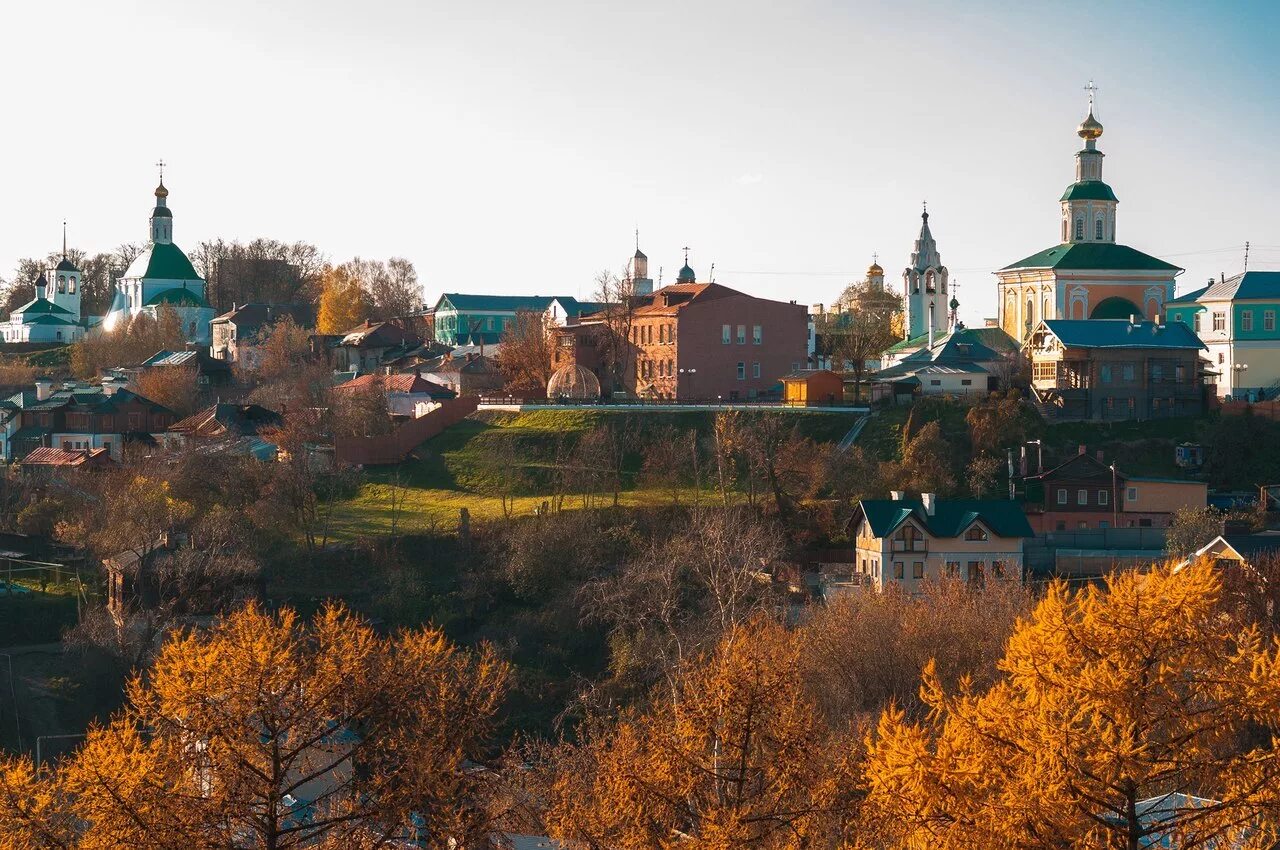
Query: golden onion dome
[[1090, 128], [874, 269], [161, 191]]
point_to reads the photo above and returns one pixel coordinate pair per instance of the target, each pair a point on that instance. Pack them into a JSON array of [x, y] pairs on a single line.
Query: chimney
[[896, 495], [44, 389], [930, 501], [1083, 449]]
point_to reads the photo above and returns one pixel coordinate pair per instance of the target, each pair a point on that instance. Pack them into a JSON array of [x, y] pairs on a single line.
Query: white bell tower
[[925, 286], [64, 281]]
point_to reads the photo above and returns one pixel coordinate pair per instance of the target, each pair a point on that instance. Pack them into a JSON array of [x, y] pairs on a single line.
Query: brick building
[[692, 341], [1085, 492]]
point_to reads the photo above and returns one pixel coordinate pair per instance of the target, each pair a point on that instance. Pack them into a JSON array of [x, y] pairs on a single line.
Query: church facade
[[1087, 275], [54, 314], [925, 288], [162, 275]]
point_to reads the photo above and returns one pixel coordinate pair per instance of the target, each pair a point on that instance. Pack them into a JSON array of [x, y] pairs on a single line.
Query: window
[[1102, 523], [935, 382], [975, 533], [1222, 358], [1082, 524], [965, 382], [908, 539], [1144, 523], [755, 370], [757, 334], [1133, 494], [1097, 229], [671, 333], [1061, 525], [1219, 321], [662, 334], [875, 568], [1103, 497], [1079, 230], [742, 334], [1157, 371], [953, 569], [975, 572], [1062, 495], [997, 569], [1128, 371], [135, 421], [1268, 320], [1246, 320], [71, 284], [917, 569], [1082, 497], [724, 334], [897, 569], [742, 371], [1104, 374], [1195, 322]]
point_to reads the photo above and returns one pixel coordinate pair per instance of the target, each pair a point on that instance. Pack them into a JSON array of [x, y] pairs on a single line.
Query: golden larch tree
[[266, 731], [732, 757], [343, 303], [1125, 715]]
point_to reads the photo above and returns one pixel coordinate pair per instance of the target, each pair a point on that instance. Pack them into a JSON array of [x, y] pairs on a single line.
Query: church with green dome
[[160, 275]]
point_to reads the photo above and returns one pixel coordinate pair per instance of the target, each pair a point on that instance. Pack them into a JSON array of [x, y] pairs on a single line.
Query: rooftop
[[950, 518], [1121, 333], [1093, 255]]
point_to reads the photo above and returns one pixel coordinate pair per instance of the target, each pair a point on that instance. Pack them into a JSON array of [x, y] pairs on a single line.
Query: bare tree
[[860, 330], [614, 345], [525, 356]]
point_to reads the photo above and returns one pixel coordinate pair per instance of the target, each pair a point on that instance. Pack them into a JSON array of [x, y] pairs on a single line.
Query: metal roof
[[1120, 333]]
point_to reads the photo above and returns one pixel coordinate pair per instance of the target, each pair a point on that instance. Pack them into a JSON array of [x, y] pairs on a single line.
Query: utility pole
[[13, 694]]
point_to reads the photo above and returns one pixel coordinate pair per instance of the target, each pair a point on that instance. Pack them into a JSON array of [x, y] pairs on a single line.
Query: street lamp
[[1237, 371]]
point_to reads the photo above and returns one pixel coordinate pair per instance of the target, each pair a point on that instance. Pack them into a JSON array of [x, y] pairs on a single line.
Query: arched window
[[1097, 229], [928, 281], [1044, 314], [1031, 309], [62, 283], [1064, 230], [71, 284], [1079, 230]]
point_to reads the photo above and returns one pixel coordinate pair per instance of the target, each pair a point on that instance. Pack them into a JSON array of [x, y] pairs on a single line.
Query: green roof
[[162, 261], [47, 319], [463, 302], [41, 305], [1120, 333], [1089, 190], [950, 517], [1188, 297], [1093, 255], [178, 296], [914, 342]]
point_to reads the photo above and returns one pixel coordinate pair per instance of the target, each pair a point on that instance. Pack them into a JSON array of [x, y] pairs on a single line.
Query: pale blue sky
[[513, 146]]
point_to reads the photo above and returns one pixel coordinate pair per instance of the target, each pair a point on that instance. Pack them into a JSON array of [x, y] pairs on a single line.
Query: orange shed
[[812, 387]]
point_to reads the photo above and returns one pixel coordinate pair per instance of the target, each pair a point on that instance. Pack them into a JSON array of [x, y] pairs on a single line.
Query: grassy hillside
[[473, 464]]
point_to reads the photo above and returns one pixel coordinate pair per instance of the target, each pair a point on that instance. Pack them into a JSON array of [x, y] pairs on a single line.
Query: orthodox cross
[[875, 258], [64, 243], [686, 255], [1092, 90], [160, 165]]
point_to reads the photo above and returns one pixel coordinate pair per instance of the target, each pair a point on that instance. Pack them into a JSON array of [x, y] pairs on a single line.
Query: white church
[[162, 274]]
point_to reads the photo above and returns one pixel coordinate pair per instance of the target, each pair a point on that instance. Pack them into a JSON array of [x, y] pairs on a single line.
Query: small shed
[[812, 387]]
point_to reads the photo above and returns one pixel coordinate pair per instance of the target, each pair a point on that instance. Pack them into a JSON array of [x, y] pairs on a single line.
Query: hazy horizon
[[515, 148]]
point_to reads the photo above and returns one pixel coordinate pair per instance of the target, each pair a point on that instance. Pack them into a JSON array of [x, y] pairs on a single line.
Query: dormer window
[[975, 533]]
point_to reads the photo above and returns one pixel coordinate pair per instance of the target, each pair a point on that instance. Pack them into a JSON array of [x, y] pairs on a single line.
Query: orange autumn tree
[[269, 732], [1109, 697], [732, 757]]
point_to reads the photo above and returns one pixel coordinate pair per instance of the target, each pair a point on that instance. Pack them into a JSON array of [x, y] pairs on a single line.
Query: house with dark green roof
[[910, 541], [1086, 274], [163, 278], [463, 318], [1236, 318], [1112, 369]]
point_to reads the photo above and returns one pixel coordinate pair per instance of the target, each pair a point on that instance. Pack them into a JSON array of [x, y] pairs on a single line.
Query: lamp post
[[13, 694], [1237, 373]]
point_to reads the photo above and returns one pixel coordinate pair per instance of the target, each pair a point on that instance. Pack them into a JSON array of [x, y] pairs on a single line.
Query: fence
[[1092, 552], [496, 402], [396, 446], [1266, 409]]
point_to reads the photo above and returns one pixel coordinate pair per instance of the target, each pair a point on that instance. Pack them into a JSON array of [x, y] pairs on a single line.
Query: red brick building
[[692, 341]]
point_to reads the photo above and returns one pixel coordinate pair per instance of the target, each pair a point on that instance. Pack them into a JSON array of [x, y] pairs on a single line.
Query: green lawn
[[461, 468]]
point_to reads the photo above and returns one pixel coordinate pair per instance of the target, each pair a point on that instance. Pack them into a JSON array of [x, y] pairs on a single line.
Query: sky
[[515, 147]]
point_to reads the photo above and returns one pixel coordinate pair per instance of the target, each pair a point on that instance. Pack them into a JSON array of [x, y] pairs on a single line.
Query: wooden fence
[[396, 446]]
